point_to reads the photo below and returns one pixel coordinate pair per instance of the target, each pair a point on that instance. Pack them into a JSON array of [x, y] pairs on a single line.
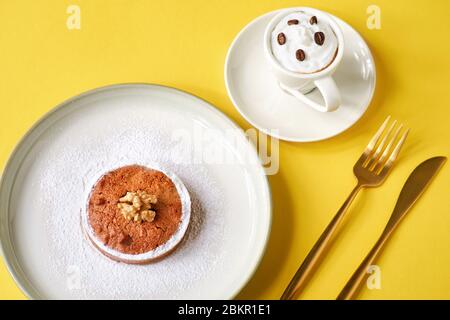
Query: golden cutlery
[[414, 187], [370, 170]]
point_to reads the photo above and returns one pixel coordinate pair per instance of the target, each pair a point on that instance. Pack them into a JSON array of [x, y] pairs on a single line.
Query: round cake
[[136, 214]]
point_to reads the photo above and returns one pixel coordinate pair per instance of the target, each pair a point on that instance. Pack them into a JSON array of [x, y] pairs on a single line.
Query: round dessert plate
[[45, 181], [256, 94]]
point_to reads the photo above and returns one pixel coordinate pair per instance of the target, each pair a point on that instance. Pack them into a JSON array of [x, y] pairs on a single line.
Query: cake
[[136, 214]]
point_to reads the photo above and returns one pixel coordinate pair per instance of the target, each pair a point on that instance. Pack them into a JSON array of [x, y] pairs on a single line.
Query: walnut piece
[[137, 206]]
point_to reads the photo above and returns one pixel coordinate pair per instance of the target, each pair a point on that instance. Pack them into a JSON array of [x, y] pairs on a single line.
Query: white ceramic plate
[[258, 97], [227, 238]]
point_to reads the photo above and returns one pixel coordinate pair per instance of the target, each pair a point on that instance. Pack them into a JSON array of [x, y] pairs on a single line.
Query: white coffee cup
[[299, 84]]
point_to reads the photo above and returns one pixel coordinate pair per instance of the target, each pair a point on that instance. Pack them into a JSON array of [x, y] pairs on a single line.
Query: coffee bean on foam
[[319, 38], [281, 38], [302, 42], [300, 55]]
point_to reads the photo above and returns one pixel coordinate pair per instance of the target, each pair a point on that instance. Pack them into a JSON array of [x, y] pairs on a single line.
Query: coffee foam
[[301, 36]]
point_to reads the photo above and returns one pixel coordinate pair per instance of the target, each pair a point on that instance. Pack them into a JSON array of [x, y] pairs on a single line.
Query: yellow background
[[184, 44]]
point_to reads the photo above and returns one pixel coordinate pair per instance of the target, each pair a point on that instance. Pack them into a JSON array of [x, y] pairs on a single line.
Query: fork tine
[[376, 137], [395, 153], [388, 148], [397, 149], [381, 146]]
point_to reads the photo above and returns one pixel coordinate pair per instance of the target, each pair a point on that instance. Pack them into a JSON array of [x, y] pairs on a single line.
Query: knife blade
[[414, 187]]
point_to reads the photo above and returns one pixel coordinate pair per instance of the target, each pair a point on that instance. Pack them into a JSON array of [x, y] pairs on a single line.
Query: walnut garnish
[[137, 206]]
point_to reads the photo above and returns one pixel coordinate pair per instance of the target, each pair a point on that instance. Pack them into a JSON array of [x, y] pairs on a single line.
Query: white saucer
[[256, 94]]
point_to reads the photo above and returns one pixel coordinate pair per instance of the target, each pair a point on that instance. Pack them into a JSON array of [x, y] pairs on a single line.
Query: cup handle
[[327, 88]]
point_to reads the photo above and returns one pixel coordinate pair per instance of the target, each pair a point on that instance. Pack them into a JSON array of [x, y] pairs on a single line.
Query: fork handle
[[355, 283], [318, 251]]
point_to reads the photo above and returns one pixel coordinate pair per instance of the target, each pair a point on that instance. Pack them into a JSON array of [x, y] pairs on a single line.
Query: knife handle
[[360, 276]]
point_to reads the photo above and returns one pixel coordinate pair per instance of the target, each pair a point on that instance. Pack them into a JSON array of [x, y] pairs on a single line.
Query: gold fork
[[371, 170]]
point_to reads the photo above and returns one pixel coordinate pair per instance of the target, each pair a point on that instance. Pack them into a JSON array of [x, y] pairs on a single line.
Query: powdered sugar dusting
[[64, 182]]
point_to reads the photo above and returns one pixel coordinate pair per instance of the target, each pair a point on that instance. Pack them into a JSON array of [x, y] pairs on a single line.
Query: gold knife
[[414, 187]]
